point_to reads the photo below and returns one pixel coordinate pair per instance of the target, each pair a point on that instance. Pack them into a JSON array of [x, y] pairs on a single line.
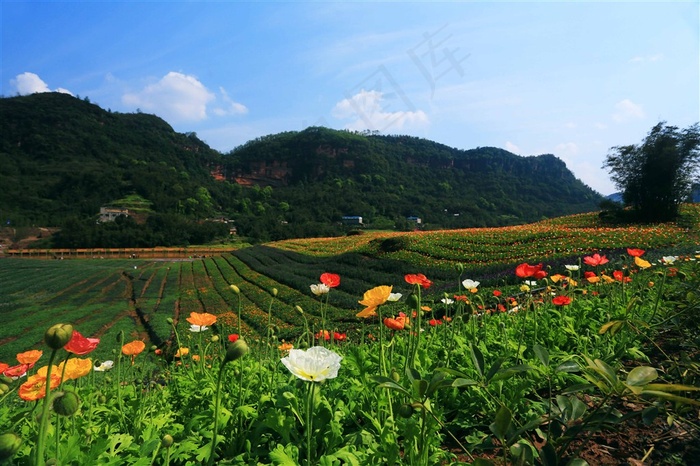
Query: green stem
[[43, 423], [216, 414], [309, 422]]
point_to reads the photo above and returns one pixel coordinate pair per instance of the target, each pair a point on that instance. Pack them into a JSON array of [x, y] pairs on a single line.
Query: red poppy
[[337, 336], [620, 277], [17, 371], [80, 345], [496, 293], [233, 338], [434, 322], [634, 252], [588, 275], [331, 280], [460, 297], [561, 300], [418, 279], [501, 307], [525, 270], [672, 271], [595, 260]]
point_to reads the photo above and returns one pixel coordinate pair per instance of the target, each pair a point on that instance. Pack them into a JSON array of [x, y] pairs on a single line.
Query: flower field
[[520, 345]]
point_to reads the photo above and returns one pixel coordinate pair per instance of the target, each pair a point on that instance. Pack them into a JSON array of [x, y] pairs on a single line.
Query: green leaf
[[386, 382], [280, 456], [568, 366], [542, 354], [463, 382], [478, 359], [641, 375], [494, 369], [420, 387], [672, 387], [671, 397], [577, 462], [502, 423]]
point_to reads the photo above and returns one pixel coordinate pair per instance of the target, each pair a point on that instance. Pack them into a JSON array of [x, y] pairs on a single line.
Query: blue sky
[[569, 78]]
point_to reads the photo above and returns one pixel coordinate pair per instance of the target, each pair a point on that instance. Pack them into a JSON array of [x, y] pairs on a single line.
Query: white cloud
[[369, 110], [647, 58], [176, 96], [510, 147], [627, 110], [230, 107], [30, 83]]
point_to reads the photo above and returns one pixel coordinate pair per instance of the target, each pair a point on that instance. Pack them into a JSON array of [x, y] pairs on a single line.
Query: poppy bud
[[274, 292], [299, 309], [58, 336], [215, 338], [66, 403], [167, 441], [460, 268], [412, 301], [235, 289], [9, 445], [405, 410], [5, 379], [236, 350], [395, 375], [169, 320], [4, 388]]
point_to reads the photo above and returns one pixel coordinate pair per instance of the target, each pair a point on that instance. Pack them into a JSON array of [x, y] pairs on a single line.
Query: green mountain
[[324, 174], [63, 158]]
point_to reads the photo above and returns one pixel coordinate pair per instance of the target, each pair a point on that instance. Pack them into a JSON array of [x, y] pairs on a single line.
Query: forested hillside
[[63, 158]]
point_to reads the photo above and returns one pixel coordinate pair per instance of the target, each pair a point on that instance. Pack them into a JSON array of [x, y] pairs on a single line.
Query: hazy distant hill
[[63, 158]]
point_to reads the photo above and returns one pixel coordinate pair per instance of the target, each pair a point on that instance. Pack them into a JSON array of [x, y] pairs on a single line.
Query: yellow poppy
[[374, 298], [641, 263], [75, 368]]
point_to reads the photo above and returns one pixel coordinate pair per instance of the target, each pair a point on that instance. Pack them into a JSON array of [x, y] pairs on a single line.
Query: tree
[[656, 176]]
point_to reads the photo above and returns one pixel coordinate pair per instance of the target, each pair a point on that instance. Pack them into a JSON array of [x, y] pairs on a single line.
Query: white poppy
[[314, 364]]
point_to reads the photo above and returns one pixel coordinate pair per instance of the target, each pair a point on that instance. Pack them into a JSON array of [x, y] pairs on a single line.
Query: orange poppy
[[134, 348], [3, 367], [634, 252], [201, 319], [29, 357], [35, 387], [374, 298], [75, 368], [398, 323], [285, 346], [182, 352]]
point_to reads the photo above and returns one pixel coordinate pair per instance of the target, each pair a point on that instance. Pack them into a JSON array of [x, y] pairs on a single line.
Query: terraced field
[[106, 296]]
